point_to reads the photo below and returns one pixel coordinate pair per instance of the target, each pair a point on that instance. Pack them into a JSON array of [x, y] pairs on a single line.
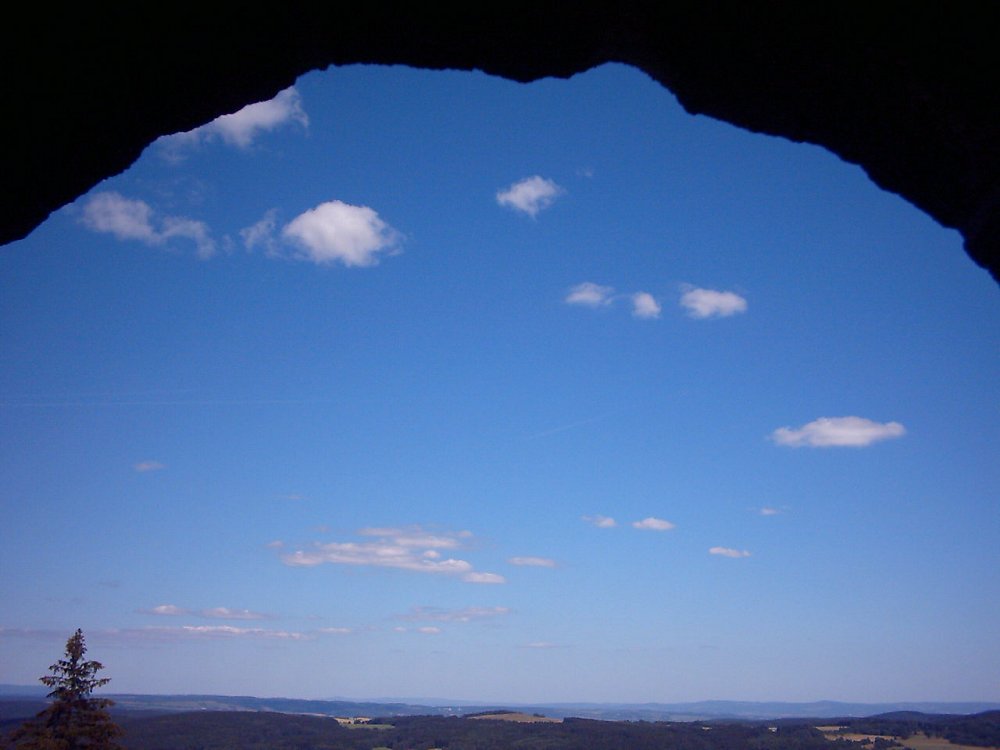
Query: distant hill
[[694, 711], [24, 691]]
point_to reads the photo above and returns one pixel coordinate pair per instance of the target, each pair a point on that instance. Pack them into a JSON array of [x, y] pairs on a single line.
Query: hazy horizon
[[429, 383]]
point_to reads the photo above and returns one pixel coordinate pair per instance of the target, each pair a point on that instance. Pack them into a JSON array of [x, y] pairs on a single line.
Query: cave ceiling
[[910, 93]]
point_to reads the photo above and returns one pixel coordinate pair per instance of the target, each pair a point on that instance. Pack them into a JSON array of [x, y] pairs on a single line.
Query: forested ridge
[[263, 730]]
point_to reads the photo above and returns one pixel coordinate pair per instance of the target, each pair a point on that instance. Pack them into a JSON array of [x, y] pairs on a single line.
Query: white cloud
[[221, 613], [414, 536], [275, 544], [144, 466], [827, 432], [339, 232], [169, 610], [541, 644], [225, 631], [645, 306], [334, 631], [483, 578], [533, 562], [728, 552], [468, 614], [766, 511], [241, 128], [196, 231], [590, 294], [225, 613], [261, 234], [601, 522], [709, 303], [530, 195], [653, 524], [409, 548], [429, 630], [127, 219]]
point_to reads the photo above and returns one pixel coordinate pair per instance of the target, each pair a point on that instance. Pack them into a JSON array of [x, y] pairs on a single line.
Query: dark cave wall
[[908, 92]]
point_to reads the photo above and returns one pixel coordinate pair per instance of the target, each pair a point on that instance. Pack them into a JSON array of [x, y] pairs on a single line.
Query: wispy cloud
[[590, 294], [243, 127], [728, 552], [177, 633], [767, 511], [541, 645], [601, 522], [486, 578], [225, 613], [218, 613], [829, 432], [168, 610], [711, 303], [408, 548], [645, 306], [653, 524], [127, 219], [219, 631], [144, 466], [467, 614], [532, 562], [260, 235], [530, 195], [333, 232]]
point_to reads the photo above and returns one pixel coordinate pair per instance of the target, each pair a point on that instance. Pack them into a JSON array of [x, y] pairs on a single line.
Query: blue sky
[[414, 383]]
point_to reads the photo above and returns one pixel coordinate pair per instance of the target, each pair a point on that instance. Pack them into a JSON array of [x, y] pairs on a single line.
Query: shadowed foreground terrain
[[263, 730]]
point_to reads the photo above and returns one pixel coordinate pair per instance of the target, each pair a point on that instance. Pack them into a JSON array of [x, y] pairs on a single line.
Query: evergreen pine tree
[[73, 720]]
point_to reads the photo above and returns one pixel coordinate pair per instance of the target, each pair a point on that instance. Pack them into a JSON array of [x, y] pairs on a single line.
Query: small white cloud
[[710, 303], [483, 578], [410, 548], [533, 562], [144, 466], [166, 610], [728, 552], [645, 306], [334, 631], [827, 432], [590, 294], [541, 645], [196, 231], [127, 219], [339, 232], [261, 234], [225, 613], [601, 522], [765, 511], [653, 524], [530, 195], [241, 128], [228, 631], [429, 630], [275, 544], [468, 614]]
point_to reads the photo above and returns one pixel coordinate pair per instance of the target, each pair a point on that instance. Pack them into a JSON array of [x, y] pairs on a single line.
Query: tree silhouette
[[74, 720]]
